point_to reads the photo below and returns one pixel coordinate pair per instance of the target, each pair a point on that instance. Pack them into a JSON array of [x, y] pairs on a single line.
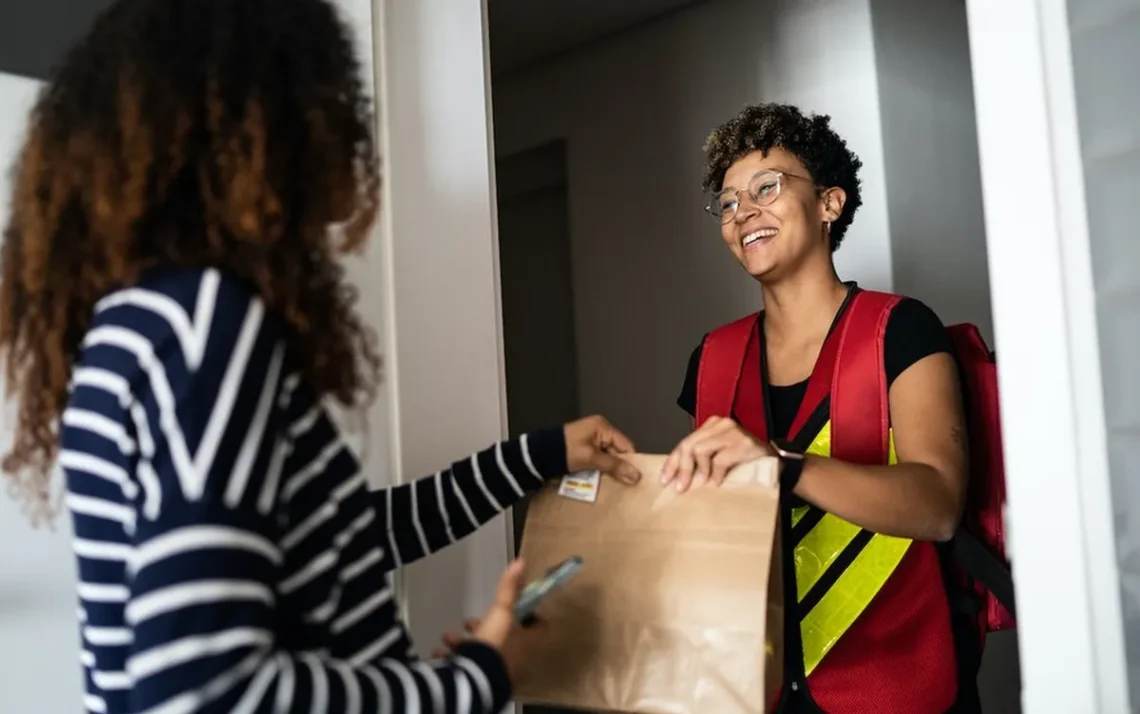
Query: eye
[[728, 204], [766, 188]]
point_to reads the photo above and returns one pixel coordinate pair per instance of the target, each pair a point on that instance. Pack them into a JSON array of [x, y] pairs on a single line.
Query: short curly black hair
[[810, 138]]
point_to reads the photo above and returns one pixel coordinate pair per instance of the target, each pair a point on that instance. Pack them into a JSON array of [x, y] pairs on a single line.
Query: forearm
[[203, 616], [908, 500], [433, 512], [473, 681]]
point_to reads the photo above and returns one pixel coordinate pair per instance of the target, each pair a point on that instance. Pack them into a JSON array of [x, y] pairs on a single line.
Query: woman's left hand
[[710, 452], [593, 443]]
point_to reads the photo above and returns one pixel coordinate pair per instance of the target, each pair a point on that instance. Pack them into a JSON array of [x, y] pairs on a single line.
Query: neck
[[804, 303]]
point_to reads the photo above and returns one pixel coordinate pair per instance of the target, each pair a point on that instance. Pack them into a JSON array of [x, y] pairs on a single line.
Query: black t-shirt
[[913, 332]]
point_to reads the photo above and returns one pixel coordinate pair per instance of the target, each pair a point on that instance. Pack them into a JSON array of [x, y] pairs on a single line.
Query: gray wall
[[1106, 54], [930, 143]]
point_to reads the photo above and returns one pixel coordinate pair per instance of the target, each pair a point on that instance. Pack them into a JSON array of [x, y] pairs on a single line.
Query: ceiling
[[33, 35], [528, 31]]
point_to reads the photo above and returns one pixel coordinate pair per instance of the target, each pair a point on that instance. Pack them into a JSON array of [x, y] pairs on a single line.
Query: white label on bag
[[582, 486]]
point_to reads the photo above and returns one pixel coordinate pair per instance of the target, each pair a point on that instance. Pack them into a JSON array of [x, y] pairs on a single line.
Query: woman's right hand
[[709, 453], [498, 628]]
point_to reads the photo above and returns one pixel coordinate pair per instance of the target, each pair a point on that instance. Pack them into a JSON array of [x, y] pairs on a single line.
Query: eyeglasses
[[763, 188]]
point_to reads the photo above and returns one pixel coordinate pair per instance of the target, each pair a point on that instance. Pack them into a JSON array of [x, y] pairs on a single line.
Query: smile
[[758, 235]]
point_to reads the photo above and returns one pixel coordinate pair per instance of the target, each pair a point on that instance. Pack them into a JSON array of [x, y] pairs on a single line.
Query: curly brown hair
[[810, 138], [230, 133]]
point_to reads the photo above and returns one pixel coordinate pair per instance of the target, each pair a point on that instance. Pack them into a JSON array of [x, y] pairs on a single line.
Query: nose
[[745, 209]]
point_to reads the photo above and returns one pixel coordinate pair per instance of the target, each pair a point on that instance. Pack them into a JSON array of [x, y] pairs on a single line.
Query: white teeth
[[757, 235]]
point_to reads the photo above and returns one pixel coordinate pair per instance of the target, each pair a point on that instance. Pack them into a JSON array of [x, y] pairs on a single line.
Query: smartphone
[[536, 591]]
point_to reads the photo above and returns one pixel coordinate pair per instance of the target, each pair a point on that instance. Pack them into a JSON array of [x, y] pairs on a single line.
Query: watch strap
[[791, 465]]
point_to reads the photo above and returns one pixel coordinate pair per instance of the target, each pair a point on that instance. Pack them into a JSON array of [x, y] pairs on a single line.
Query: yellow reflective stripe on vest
[[838, 608]]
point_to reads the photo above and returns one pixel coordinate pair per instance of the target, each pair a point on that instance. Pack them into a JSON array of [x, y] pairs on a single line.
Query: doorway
[[631, 107], [539, 345]]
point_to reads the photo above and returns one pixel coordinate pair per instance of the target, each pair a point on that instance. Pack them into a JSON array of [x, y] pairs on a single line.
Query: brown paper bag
[[678, 607]]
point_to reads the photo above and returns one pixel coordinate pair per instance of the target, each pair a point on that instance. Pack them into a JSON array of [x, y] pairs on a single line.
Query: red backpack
[[979, 544], [979, 564]]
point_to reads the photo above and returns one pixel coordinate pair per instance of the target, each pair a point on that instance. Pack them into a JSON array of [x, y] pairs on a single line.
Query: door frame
[[436, 268], [1059, 516]]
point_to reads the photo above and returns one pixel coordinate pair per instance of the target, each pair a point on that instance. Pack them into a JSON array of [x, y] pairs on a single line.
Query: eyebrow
[[774, 169]]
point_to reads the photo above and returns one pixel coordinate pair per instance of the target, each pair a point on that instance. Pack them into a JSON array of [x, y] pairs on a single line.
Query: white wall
[[39, 636], [439, 260], [369, 434], [1061, 506], [651, 274]]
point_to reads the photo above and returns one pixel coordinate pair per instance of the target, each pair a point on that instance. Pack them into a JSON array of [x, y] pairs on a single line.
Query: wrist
[[792, 462], [547, 451], [490, 661]]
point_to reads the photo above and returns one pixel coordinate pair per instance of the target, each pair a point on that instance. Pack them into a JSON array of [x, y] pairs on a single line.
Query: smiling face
[[775, 216]]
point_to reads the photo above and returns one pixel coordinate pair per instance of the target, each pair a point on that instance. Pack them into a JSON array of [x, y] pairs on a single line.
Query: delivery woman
[[869, 627]]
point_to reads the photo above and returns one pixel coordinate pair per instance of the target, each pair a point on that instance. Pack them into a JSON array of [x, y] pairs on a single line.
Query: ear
[[831, 202]]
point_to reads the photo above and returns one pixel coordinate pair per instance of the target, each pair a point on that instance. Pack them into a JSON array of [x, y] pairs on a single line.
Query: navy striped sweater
[[231, 557]]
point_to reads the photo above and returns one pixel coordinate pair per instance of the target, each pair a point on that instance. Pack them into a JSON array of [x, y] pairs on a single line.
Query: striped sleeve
[[431, 513], [207, 557]]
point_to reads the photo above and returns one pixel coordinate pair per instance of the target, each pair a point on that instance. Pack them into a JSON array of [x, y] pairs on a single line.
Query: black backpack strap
[[963, 625], [984, 566]]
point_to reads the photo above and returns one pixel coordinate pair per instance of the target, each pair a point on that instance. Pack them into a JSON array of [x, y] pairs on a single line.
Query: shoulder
[[207, 367], [687, 397], [914, 332], [912, 312], [184, 338], [187, 314], [174, 296]]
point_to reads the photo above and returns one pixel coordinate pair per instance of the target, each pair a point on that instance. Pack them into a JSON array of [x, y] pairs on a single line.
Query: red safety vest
[[874, 625]]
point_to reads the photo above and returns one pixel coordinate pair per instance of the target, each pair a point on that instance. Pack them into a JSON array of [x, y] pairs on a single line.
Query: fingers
[[620, 469], [724, 461], [708, 454], [592, 443], [451, 640], [703, 452], [499, 619], [681, 464], [509, 585]]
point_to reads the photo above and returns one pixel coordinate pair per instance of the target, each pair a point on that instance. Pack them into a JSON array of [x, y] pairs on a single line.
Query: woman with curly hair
[[865, 497], [173, 319]]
